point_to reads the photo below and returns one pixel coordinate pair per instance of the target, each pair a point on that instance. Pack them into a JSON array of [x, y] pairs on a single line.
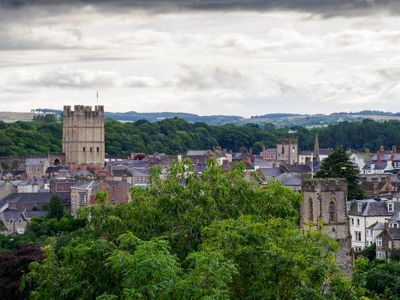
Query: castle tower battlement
[[83, 135]]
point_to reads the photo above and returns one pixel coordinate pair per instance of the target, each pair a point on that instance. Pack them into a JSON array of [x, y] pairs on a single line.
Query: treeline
[[173, 136]]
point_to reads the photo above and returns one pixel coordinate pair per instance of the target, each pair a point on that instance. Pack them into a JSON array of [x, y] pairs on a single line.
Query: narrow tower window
[[311, 210], [332, 211], [84, 149]]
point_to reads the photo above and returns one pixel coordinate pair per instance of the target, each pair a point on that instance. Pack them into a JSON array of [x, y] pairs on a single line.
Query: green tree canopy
[[339, 165], [55, 207], [216, 235]]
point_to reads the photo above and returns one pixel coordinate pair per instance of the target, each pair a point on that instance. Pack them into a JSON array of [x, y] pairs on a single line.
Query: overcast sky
[[201, 56]]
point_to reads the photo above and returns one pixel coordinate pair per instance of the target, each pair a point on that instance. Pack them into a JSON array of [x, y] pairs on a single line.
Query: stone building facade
[[324, 208], [287, 150], [83, 135]]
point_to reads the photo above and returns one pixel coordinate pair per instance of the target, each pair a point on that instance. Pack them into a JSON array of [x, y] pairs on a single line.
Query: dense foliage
[[13, 265], [173, 136], [380, 278], [216, 236], [339, 165]]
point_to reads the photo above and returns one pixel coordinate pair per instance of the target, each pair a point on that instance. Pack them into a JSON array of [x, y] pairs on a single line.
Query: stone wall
[[324, 208], [287, 151]]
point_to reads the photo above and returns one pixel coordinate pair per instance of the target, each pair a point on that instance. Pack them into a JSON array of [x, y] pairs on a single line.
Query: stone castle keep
[[83, 135], [324, 203]]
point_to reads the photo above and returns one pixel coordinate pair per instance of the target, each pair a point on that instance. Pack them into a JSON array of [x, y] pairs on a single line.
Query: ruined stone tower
[[83, 135], [287, 150], [324, 208]]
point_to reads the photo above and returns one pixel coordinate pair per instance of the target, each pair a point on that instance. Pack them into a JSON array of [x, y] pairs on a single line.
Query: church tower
[[83, 135], [287, 150], [324, 207]]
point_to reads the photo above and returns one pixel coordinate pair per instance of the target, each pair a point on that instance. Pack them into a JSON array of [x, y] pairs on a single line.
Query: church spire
[[316, 148]]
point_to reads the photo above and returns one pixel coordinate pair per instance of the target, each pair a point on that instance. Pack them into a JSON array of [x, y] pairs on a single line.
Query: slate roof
[[120, 171], [271, 172], [325, 151], [371, 207], [27, 197], [33, 181], [289, 179], [296, 168], [11, 214], [395, 217], [376, 226], [85, 185], [394, 233], [37, 214], [137, 173]]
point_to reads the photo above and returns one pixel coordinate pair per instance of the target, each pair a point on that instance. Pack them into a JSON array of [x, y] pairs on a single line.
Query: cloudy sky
[[231, 57]]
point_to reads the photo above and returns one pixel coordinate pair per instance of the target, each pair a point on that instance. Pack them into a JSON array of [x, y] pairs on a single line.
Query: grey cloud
[[67, 78], [208, 77], [321, 7]]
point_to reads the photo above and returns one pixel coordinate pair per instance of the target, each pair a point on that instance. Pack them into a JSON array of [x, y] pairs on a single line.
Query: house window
[[19, 221], [391, 207], [283, 150], [378, 254], [310, 208], [359, 207], [358, 222], [352, 221], [332, 211], [348, 206], [390, 244], [82, 199], [358, 236], [379, 242], [11, 221]]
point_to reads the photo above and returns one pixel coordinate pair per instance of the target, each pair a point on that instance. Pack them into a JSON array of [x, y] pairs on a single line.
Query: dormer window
[[19, 221], [390, 207], [11, 221], [359, 207]]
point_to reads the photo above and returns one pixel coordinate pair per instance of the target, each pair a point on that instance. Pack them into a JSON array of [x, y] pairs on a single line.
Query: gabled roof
[[11, 214], [376, 226]]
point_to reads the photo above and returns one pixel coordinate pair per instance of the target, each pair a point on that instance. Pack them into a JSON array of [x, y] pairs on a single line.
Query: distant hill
[[278, 119]]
